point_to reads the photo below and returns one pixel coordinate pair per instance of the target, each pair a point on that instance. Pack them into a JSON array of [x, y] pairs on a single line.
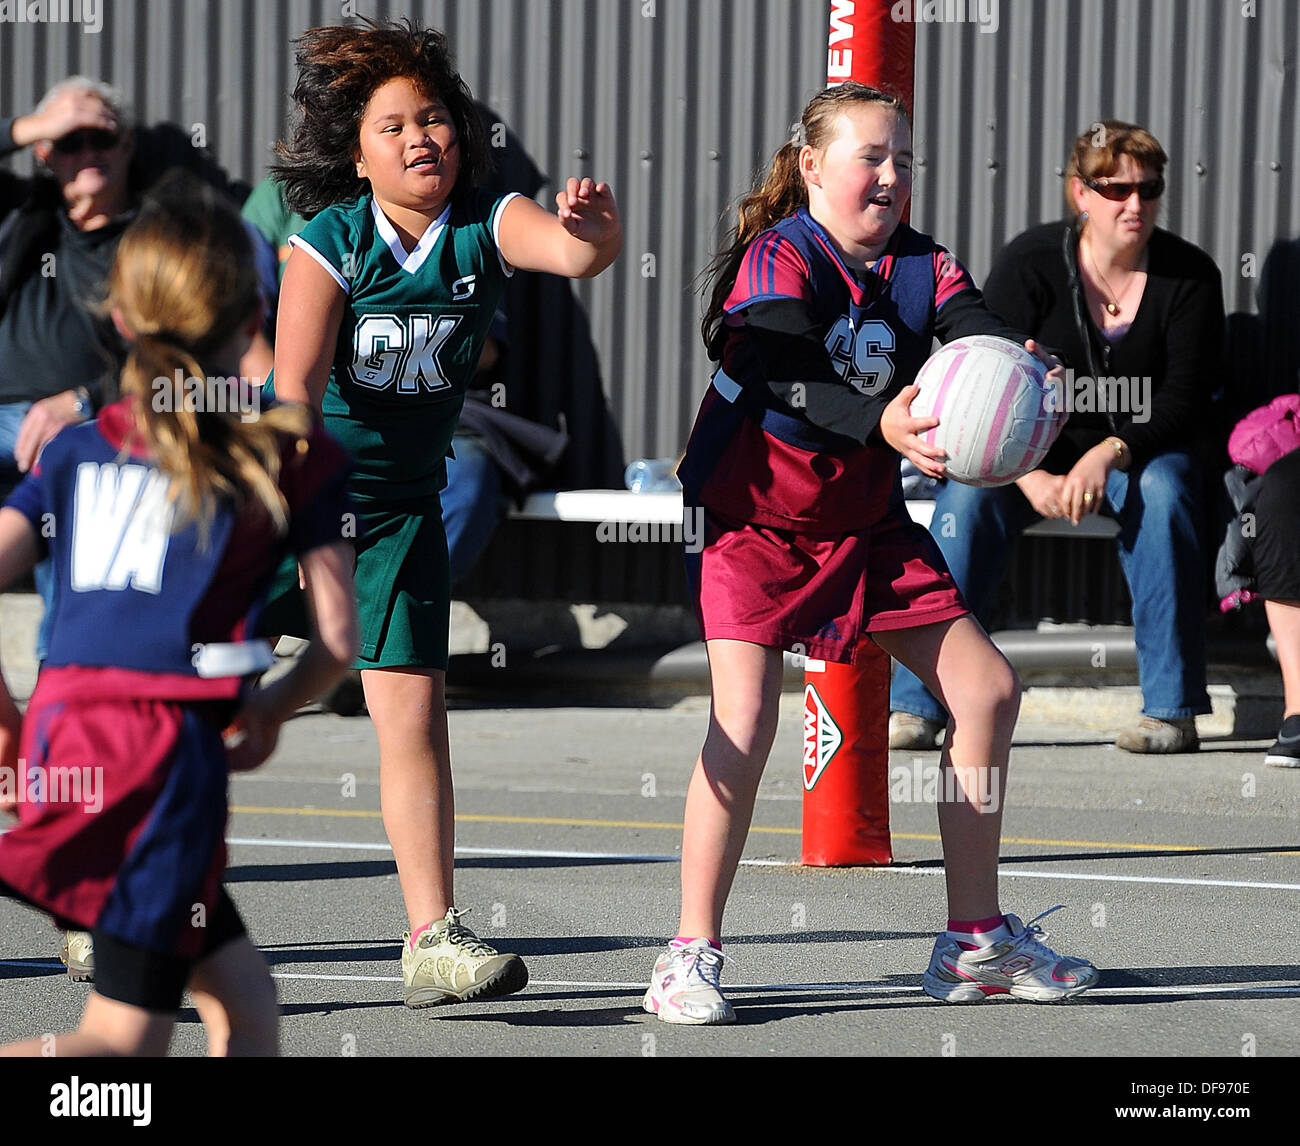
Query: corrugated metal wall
[[677, 101], [996, 113]]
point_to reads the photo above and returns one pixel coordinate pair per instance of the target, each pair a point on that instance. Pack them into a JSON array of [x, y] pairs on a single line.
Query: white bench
[[614, 505]]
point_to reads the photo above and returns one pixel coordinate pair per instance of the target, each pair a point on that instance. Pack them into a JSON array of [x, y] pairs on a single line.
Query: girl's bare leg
[[1284, 621], [235, 997], [981, 692], [108, 1029], [415, 790], [746, 682]]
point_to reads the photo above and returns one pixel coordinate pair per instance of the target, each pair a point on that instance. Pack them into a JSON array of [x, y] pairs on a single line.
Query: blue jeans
[[471, 504], [1160, 554], [11, 420]]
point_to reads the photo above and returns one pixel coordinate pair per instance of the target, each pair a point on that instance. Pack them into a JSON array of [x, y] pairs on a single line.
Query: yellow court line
[[563, 822]]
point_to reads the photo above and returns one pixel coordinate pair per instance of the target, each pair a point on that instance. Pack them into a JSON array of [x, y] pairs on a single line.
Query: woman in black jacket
[[1136, 313]]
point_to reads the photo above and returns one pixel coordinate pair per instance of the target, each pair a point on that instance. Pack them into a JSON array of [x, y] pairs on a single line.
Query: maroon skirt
[[122, 814], [815, 594]]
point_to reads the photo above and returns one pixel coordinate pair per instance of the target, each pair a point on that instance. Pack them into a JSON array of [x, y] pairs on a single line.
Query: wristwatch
[[82, 406]]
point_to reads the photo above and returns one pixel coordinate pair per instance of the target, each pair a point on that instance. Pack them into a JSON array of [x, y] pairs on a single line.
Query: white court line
[[833, 988], [511, 852], [339, 978], [1155, 879], [1004, 872], [828, 988]]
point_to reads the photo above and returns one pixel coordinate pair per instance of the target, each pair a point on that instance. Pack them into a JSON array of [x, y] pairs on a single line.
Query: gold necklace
[[1112, 302]]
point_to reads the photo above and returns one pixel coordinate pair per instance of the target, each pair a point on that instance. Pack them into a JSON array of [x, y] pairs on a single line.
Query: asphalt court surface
[[1180, 876]]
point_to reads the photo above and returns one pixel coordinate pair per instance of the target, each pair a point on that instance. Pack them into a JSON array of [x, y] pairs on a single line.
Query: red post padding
[[846, 761], [869, 43], [846, 707]]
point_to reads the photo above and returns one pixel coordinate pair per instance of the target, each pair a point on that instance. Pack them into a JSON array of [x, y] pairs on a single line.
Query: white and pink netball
[[997, 414]]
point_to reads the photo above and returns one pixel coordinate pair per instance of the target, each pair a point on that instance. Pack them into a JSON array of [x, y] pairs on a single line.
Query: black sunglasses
[[1147, 190], [96, 138]]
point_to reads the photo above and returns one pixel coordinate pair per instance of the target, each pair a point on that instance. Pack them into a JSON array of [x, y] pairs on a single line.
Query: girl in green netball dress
[[387, 296]]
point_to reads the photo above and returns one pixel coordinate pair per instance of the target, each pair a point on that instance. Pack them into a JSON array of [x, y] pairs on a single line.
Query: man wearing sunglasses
[[55, 249], [1121, 301]]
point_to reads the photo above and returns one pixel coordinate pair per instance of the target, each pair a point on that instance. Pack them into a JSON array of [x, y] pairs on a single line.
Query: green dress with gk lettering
[[409, 340]]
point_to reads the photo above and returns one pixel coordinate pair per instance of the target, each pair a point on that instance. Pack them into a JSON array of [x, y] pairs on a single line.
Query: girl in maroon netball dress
[[822, 310], [165, 520]]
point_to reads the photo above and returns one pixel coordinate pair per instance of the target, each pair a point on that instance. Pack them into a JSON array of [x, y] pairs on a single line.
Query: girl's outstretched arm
[[306, 329], [579, 241]]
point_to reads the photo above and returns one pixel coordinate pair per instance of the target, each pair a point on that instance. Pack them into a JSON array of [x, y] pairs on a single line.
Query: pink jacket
[[1266, 434]]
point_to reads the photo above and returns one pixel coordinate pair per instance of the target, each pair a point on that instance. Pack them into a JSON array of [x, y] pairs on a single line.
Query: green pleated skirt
[[403, 587]]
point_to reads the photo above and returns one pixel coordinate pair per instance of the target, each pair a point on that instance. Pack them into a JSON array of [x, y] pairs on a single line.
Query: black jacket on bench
[[1176, 340]]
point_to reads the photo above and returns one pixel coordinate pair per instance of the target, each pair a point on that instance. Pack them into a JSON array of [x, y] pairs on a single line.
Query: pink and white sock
[[972, 934], [683, 940]]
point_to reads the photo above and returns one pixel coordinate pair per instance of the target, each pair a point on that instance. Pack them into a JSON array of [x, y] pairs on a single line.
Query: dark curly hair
[[339, 69]]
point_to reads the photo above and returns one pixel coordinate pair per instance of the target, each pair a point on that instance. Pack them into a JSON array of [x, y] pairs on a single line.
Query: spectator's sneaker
[[1160, 736], [914, 732], [685, 988], [1022, 966], [450, 964], [1285, 752], [78, 955]]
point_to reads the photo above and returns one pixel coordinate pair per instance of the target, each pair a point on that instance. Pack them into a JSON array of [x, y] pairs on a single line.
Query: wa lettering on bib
[[121, 528]]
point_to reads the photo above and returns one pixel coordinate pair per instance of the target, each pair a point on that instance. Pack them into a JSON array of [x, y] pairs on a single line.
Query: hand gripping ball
[[998, 416]]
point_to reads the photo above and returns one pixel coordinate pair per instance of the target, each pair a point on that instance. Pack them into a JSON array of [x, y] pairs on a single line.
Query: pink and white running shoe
[[1022, 966], [685, 987]]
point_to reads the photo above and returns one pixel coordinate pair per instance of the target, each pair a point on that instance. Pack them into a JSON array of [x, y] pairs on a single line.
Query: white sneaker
[[1021, 966], [685, 987]]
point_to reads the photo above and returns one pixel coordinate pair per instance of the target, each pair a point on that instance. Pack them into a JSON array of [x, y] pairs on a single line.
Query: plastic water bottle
[[652, 475]]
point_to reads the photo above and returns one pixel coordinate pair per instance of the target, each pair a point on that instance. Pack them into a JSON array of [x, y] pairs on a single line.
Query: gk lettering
[[389, 349]]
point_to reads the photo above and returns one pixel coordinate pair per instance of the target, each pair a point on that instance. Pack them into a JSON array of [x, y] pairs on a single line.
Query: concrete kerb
[[650, 655]]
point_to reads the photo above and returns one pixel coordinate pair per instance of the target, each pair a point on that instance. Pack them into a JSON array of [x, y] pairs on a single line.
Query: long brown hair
[[780, 193], [184, 283]]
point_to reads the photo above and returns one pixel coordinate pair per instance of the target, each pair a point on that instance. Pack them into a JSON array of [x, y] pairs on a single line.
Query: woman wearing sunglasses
[[1120, 300]]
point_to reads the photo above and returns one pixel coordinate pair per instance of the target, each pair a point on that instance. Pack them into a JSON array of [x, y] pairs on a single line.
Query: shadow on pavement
[[34, 968], [369, 869]]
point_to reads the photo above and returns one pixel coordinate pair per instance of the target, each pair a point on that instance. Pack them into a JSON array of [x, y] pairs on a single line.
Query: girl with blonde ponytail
[[822, 308], [180, 290], [165, 521]]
